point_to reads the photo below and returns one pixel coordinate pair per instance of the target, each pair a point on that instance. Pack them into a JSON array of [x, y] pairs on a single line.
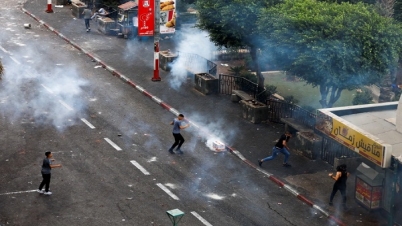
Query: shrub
[[363, 97]]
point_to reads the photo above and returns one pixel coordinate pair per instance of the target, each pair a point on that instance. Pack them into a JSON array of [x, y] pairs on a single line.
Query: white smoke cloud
[[35, 88], [192, 41]]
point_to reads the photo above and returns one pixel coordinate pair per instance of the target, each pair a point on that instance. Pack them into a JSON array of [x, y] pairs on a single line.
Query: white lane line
[[88, 123], [142, 169], [113, 144], [205, 222], [66, 105], [4, 50], [165, 189], [47, 88], [18, 192], [16, 61]]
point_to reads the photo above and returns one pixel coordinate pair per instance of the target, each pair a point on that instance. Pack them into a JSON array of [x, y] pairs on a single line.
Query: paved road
[[112, 144]]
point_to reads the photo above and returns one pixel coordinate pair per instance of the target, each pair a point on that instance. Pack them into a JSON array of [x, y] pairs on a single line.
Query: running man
[[280, 147], [46, 169], [178, 138]]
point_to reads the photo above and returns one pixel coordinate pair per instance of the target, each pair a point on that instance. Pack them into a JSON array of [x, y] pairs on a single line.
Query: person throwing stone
[[46, 170], [280, 147], [178, 138], [340, 178]]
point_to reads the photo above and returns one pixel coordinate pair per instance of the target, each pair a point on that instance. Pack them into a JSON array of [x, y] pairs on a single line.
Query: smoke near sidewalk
[[192, 41]]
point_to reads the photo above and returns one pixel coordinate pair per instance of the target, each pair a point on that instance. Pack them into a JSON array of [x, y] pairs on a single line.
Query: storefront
[[371, 132]]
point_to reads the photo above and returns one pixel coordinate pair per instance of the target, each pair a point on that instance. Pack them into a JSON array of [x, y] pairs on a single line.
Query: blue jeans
[[275, 151], [87, 23]]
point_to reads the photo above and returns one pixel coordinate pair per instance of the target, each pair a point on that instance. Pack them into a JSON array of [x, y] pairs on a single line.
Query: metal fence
[[279, 109], [196, 63], [228, 83], [332, 149]]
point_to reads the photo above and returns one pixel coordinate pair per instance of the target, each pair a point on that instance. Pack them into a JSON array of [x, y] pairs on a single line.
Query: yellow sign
[[351, 138]]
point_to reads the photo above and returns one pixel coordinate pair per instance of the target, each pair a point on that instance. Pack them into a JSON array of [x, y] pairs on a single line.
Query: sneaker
[[180, 152], [87, 30], [48, 193], [171, 151], [260, 163], [330, 203], [39, 191], [286, 164]]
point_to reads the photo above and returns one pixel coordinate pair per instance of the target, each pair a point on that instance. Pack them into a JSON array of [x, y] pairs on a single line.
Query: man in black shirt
[[280, 147]]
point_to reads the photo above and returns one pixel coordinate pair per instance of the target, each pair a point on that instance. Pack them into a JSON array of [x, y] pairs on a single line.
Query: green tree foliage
[[332, 46], [232, 23]]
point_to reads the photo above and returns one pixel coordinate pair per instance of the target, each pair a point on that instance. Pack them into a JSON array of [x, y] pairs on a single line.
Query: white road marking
[[205, 222], [4, 50], [47, 88], [16, 61], [18, 192], [88, 123], [165, 189], [66, 105], [142, 169], [113, 144]]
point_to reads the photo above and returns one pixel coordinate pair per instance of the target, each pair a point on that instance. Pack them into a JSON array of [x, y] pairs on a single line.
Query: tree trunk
[[254, 57], [335, 94], [324, 94]]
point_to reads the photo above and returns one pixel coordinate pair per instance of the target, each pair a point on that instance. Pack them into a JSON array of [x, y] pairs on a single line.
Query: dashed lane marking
[[205, 222], [88, 123], [113, 144], [47, 88], [18, 192], [16, 61], [165, 189], [4, 50], [66, 105], [142, 169]]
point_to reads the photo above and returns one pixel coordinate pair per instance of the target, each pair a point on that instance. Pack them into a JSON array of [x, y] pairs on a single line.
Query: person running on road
[[87, 17], [340, 178], [178, 138], [282, 147], [46, 172]]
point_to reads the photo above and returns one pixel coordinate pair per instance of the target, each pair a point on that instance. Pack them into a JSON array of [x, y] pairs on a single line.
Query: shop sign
[[146, 17], [167, 20], [351, 138]]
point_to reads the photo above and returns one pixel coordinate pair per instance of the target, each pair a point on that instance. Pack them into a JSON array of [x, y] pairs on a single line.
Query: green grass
[[305, 94]]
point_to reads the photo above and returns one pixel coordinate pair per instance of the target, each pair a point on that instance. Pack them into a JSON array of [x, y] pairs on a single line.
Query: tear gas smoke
[[193, 42], [34, 88]]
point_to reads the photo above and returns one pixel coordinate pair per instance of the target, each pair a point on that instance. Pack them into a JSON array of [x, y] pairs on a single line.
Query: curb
[[116, 73], [286, 187]]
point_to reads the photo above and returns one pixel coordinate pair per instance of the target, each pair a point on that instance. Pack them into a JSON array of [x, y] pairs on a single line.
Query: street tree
[[332, 46], [232, 23]]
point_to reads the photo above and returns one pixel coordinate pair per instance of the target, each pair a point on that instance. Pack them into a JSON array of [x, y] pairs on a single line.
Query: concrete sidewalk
[[133, 62]]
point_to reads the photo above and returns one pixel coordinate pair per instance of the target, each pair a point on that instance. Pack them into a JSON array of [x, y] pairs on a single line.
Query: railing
[[332, 149], [228, 83], [196, 63], [279, 109]]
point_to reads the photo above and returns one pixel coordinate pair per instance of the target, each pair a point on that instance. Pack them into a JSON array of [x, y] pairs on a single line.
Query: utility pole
[[156, 42]]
